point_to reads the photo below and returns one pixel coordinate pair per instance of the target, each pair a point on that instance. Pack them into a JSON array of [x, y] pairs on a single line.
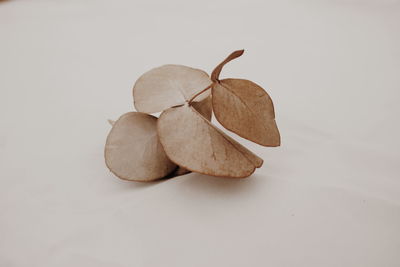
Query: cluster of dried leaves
[[142, 147]]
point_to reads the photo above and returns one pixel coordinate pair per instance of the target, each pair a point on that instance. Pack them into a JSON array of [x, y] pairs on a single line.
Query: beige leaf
[[244, 108], [257, 161], [133, 151], [204, 107], [192, 142], [168, 86]]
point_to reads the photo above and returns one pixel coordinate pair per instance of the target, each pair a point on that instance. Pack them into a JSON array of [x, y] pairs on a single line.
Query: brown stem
[[217, 70], [199, 93]]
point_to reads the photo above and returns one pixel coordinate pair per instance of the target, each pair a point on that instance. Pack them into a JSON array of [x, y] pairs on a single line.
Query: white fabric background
[[329, 196]]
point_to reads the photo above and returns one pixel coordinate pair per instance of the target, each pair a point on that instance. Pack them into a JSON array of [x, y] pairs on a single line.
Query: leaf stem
[[199, 93], [217, 71]]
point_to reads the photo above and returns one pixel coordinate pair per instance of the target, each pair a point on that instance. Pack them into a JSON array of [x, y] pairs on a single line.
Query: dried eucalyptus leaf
[[168, 86], [204, 107], [191, 141], [244, 108], [133, 151], [216, 72]]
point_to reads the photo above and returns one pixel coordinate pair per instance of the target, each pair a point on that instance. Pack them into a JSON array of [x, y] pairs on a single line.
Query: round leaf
[[191, 141], [168, 86], [133, 151]]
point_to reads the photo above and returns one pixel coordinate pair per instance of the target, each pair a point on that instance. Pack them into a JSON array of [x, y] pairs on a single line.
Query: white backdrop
[[329, 196]]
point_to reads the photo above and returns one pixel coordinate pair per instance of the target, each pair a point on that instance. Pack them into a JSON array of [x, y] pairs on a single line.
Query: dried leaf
[[257, 161], [168, 86], [244, 108], [216, 72], [133, 151], [191, 141], [204, 107]]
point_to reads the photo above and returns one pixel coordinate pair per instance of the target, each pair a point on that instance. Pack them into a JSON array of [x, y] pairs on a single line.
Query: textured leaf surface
[[168, 86], [133, 151], [244, 108], [193, 142]]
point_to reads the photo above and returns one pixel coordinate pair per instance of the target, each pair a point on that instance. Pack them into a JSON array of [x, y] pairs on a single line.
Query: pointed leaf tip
[[217, 71]]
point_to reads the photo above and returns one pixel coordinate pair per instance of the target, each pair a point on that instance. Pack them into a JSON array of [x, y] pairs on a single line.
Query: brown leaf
[[191, 141], [216, 72], [133, 151], [244, 108], [168, 86]]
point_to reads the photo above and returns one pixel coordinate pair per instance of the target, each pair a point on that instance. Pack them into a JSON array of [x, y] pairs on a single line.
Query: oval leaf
[[191, 141], [133, 151], [168, 86], [244, 108]]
